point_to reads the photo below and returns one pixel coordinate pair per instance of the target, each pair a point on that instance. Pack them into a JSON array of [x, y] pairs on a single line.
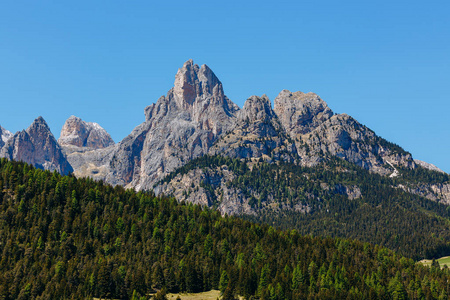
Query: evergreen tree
[[297, 278], [223, 282]]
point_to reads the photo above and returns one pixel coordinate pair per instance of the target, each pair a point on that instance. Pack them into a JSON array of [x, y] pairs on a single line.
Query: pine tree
[[264, 278], [297, 278], [223, 282]]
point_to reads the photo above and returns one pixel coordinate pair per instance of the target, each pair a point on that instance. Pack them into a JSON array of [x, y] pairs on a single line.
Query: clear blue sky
[[386, 63]]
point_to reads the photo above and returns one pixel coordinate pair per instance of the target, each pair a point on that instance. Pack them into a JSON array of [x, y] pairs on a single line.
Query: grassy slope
[[211, 295], [442, 261]]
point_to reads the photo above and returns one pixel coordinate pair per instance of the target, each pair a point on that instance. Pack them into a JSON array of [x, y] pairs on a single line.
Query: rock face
[[196, 118], [439, 192], [37, 146], [87, 147], [4, 136], [77, 132], [225, 198], [180, 126], [318, 132], [258, 134], [301, 113], [428, 166]]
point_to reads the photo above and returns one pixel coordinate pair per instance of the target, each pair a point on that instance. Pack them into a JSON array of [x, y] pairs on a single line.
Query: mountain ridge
[[196, 118], [38, 146]]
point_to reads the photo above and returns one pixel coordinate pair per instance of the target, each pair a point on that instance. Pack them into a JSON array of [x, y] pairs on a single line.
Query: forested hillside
[[63, 237], [335, 198]]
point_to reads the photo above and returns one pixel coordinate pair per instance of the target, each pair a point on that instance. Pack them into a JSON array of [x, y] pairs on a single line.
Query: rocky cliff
[[87, 147], [4, 136], [318, 132], [79, 133], [37, 146], [180, 126], [428, 166], [257, 134]]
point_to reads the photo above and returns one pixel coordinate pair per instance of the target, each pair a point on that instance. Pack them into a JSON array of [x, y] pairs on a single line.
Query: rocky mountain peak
[[37, 146], [257, 133], [180, 126], [300, 112], [196, 90], [4, 136], [76, 132], [192, 82], [39, 127], [256, 109]]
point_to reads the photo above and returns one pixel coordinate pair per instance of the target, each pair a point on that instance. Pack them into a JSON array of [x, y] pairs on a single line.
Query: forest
[[383, 213], [68, 238]]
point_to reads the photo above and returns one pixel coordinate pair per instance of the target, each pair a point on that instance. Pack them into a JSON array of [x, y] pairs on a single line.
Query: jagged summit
[[300, 112], [76, 132], [4, 136], [192, 82], [256, 109], [257, 133], [39, 127], [180, 126], [195, 118], [37, 146], [195, 89]]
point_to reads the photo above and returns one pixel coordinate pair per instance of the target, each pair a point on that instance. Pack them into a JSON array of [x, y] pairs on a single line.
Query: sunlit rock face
[[180, 126], [37, 146], [77, 132]]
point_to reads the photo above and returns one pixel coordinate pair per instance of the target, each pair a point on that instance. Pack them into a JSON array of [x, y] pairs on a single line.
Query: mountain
[[179, 127], [79, 133], [87, 147], [317, 130], [4, 136], [296, 165], [63, 237], [196, 118], [37, 145], [257, 133]]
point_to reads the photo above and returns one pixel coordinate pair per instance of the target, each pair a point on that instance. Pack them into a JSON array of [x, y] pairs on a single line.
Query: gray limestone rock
[[189, 187], [180, 126], [319, 132], [37, 146], [428, 166], [5, 135], [257, 134], [301, 113], [436, 192], [77, 132]]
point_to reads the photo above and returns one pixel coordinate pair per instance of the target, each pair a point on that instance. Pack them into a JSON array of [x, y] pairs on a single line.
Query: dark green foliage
[[119, 244], [421, 175], [410, 224], [385, 214], [237, 166]]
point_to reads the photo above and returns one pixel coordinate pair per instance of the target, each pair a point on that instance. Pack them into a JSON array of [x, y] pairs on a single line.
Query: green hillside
[[63, 237], [381, 213]]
